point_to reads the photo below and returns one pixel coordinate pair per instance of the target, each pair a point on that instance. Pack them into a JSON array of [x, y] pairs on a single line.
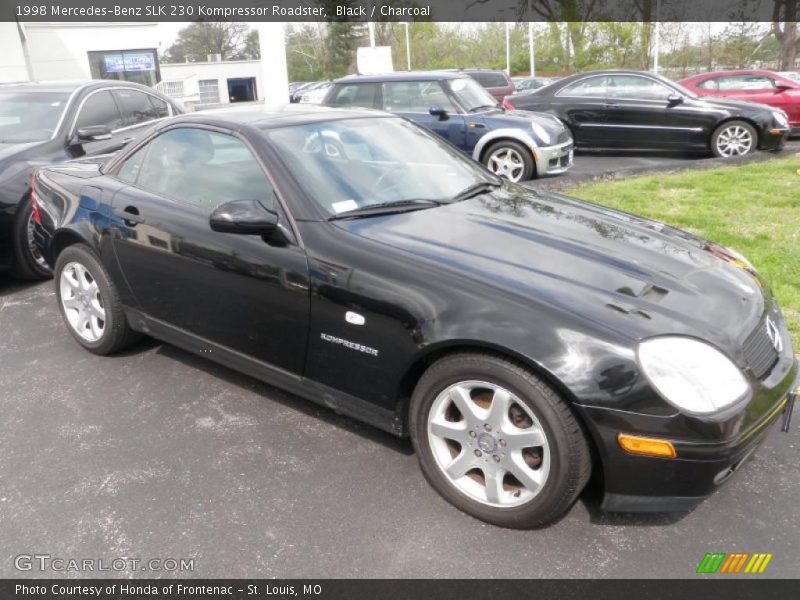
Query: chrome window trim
[[118, 87]]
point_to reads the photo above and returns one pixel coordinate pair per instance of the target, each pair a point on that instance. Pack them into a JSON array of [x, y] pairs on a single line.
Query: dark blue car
[[517, 145]]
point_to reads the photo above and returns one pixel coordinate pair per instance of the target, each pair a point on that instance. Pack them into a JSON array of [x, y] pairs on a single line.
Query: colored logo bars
[[738, 562]]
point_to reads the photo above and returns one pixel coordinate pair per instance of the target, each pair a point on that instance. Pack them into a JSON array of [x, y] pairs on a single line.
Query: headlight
[[541, 132], [691, 375], [781, 118]]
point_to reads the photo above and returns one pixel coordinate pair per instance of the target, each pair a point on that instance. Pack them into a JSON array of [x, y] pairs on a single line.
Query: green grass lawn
[[753, 208]]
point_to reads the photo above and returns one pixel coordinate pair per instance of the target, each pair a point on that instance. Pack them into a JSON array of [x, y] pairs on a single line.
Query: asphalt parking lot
[[590, 165], [157, 453]]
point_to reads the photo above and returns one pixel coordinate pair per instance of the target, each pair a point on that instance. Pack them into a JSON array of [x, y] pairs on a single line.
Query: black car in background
[[639, 110], [42, 124], [522, 339]]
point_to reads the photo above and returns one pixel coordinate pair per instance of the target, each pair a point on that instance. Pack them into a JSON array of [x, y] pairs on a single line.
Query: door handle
[[130, 216], [611, 105], [127, 140]]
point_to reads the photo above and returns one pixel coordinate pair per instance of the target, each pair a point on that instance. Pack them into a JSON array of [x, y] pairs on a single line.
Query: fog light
[[646, 446]]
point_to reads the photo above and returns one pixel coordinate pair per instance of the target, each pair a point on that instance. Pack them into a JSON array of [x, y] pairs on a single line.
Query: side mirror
[[243, 216], [438, 111], [781, 87], [674, 99], [94, 133]]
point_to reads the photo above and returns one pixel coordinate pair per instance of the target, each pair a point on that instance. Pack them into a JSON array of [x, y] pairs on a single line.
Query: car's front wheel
[[89, 302], [497, 442], [28, 263], [510, 160], [734, 138]]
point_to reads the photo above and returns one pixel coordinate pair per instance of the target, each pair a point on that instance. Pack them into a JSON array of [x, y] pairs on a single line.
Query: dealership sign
[[119, 63]]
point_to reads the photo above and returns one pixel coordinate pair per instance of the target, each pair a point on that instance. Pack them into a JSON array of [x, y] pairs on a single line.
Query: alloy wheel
[[506, 162], [734, 141], [82, 302], [488, 444]]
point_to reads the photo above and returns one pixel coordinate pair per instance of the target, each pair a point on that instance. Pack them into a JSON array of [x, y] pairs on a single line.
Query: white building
[[71, 51], [216, 82]]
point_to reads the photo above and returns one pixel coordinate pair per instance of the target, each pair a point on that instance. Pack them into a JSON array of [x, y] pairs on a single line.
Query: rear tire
[[89, 302], [510, 160], [28, 262], [521, 465], [734, 138]]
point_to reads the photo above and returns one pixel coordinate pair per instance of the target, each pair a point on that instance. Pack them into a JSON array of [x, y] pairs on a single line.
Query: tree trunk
[[788, 46]]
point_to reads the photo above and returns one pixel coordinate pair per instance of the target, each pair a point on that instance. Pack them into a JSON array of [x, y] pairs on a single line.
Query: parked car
[[529, 84], [764, 87], [50, 123], [497, 83], [639, 110], [314, 95], [514, 144], [357, 260], [302, 89]]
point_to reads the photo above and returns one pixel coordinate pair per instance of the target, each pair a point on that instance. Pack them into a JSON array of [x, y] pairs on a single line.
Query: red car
[[754, 85]]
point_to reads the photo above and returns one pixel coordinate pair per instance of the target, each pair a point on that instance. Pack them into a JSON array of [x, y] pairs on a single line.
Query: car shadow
[[592, 498], [9, 285], [276, 394]]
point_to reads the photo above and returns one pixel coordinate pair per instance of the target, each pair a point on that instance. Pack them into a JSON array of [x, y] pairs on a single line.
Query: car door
[[582, 104], [240, 291], [98, 108], [414, 99], [639, 113]]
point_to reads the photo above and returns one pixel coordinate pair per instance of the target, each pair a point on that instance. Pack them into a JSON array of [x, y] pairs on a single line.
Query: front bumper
[[775, 139], [552, 160], [635, 483]]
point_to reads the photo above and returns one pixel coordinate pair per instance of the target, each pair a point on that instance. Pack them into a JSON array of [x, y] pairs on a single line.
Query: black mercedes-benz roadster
[[522, 340]]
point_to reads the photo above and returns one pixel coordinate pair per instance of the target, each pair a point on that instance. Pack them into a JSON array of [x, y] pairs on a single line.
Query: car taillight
[[37, 216], [507, 104]]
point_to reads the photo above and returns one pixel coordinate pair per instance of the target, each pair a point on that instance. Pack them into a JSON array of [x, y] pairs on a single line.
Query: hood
[[736, 104], [11, 150], [501, 117], [635, 276]]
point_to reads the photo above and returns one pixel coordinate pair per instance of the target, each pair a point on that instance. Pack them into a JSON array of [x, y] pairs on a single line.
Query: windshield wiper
[[386, 208], [476, 189]]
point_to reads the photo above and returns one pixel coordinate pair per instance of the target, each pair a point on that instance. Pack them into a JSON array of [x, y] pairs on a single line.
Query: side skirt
[[339, 402]]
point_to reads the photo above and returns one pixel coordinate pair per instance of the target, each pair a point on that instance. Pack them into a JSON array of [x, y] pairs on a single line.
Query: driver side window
[[200, 167]]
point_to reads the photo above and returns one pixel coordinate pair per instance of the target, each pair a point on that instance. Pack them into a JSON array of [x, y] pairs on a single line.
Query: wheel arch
[[64, 238], [506, 134], [747, 120]]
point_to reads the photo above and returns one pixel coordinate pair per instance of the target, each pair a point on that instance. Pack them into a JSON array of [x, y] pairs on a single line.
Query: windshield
[[353, 163], [470, 94], [29, 116]]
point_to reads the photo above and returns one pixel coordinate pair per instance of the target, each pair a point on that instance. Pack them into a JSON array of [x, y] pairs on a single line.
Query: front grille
[[760, 354], [564, 136]]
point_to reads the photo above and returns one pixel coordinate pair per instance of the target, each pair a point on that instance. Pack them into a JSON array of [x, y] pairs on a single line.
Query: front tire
[[734, 138], [29, 264], [89, 302], [497, 442], [510, 160]]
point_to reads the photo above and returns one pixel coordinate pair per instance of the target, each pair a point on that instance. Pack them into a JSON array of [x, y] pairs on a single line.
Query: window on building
[[209, 91]]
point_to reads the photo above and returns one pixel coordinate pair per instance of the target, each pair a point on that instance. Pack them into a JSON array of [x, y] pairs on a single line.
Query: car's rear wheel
[[510, 160], [734, 138], [29, 264], [89, 302], [497, 442]]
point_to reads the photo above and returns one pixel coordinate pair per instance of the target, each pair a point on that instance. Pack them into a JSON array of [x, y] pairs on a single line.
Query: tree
[[784, 28], [252, 47], [197, 41]]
